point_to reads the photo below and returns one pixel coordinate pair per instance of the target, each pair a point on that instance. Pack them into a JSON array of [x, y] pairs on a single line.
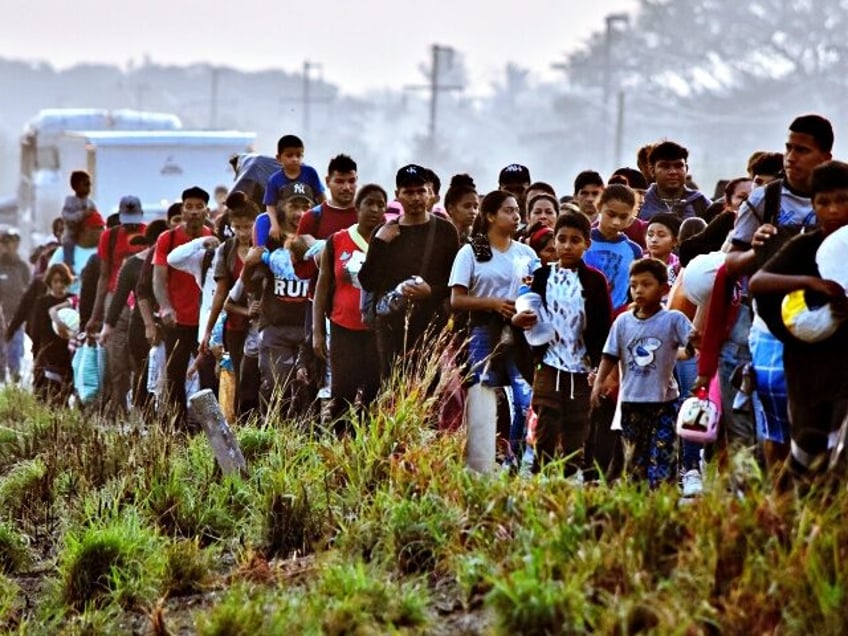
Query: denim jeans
[[504, 372], [687, 371], [739, 425], [15, 352]]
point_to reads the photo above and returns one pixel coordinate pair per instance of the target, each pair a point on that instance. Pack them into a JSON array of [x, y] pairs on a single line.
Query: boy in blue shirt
[[290, 155], [610, 250]]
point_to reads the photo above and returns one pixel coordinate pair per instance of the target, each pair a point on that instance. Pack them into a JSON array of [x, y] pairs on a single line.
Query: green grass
[[384, 531]]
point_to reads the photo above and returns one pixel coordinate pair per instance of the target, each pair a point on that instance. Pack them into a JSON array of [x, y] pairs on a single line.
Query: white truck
[[148, 155]]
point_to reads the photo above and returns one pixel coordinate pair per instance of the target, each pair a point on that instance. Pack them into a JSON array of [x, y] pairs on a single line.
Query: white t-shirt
[[499, 277], [567, 313]]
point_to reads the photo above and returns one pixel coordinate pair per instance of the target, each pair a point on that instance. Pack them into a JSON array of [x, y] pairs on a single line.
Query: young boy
[[77, 206], [815, 373], [578, 306], [610, 250], [290, 156], [645, 341]]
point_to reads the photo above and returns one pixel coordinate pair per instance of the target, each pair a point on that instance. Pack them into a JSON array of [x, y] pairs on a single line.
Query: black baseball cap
[[297, 190], [514, 173], [411, 175]]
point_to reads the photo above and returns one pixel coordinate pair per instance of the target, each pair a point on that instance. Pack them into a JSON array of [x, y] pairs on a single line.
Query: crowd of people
[[578, 324]]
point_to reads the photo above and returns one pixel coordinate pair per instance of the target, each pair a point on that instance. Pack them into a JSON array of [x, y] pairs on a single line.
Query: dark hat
[[635, 179], [297, 190], [129, 211], [196, 192], [514, 173], [411, 175]]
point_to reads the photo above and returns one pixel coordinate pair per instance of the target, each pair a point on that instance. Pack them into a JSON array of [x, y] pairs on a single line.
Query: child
[[52, 373], [578, 306], [610, 250], [815, 373], [76, 208], [541, 239], [661, 241], [645, 342], [290, 156]]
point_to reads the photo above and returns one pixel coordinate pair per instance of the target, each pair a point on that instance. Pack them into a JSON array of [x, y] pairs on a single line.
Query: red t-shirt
[[182, 287], [331, 221], [347, 253], [122, 250], [236, 322]]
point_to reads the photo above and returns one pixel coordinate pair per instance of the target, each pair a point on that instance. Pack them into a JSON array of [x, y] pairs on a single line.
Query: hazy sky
[[360, 44]]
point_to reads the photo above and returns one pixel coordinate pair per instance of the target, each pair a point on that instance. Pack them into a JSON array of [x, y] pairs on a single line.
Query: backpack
[[771, 211]]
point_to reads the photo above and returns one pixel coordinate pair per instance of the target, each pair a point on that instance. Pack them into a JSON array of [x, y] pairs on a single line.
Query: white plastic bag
[[156, 371]]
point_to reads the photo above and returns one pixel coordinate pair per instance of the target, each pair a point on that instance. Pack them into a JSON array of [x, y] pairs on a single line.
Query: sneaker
[[693, 486]]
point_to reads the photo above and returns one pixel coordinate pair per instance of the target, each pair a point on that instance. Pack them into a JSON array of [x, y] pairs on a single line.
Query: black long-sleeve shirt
[[127, 280], [388, 264]]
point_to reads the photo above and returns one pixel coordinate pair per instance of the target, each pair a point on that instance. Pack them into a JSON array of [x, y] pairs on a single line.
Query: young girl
[[52, 373], [353, 360], [462, 204], [661, 241], [485, 280], [541, 239]]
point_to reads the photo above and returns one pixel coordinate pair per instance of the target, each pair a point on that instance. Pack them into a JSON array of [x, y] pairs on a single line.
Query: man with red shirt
[[337, 213], [114, 246], [318, 224], [178, 297]]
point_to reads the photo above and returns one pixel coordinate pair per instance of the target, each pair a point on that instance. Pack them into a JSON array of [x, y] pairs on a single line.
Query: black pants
[[354, 367], [180, 345], [139, 350], [603, 449]]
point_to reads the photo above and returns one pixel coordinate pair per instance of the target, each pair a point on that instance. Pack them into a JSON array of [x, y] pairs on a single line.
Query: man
[[14, 280], [269, 273], [115, 245], [178, 297], [337, 213], [588, 187], [669, 193], [318, 224], [766, 220], [515, 179], [418, 244]]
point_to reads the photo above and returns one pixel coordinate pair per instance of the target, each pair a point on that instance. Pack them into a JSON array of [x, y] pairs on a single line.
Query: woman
[[485, 281], [544, 209], [353, 359], [462, 204]]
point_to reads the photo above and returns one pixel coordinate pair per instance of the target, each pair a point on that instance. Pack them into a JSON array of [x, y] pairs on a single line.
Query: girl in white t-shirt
[[485, 280]]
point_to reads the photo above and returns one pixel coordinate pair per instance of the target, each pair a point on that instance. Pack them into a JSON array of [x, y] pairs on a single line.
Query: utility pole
[[306, 98], [435, 88], [213, 99], [307, 67], [611, 20], [619, 130]]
